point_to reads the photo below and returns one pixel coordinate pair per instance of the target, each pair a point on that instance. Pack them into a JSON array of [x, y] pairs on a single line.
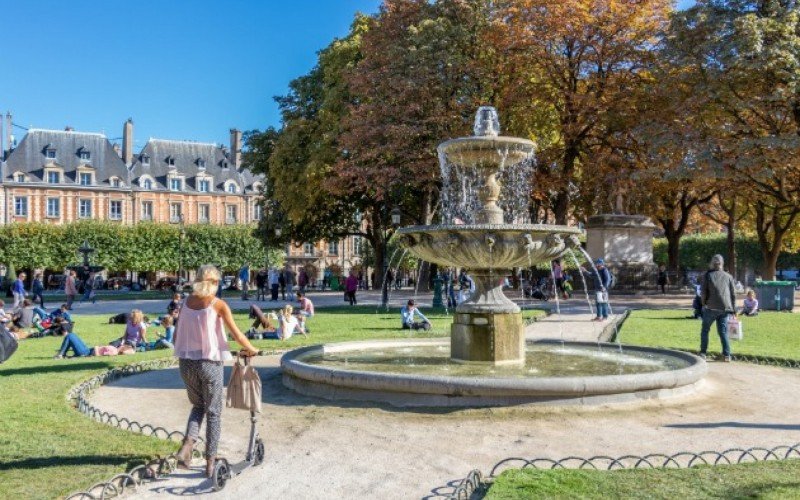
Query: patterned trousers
[[204, 386]]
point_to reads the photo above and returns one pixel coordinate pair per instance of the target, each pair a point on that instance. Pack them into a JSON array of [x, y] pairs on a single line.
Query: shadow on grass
[[761, 490], [67, 461], [56, 367], [739, 425]]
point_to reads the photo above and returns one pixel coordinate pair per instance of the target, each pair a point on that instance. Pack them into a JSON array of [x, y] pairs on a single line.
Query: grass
[[48, 449], [772, 334], [767, 480]]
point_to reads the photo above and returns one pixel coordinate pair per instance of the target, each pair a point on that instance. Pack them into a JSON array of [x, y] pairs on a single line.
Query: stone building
[[62, 176]]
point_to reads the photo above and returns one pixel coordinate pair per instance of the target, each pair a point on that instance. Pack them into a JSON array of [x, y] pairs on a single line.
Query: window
[[170, 161], [84, 155], [147, 184], [85, 179], [174, 212], [223, 164], [333, 248], [147, 210], [19, 177], [176, 184], [53, 177], [232, 188], [115, 210], [85, 209], [145, 160], [308, 249], [53, 207], [50, 153], [230, 214], [204, 213], [115, 182], [204, 185], [201, 163], [21, 206], [258, 211], [357, 248]]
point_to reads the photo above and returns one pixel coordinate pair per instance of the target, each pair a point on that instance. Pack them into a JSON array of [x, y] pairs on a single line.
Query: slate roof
[[30, 157], [188, 159]]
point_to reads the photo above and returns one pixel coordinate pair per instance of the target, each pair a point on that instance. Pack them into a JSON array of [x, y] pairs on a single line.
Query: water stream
[[608, 302]]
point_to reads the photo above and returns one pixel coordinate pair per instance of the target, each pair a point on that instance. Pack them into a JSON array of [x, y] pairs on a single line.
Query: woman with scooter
[[202, 349]]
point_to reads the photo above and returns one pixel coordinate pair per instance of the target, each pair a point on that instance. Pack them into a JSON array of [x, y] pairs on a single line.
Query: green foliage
[[696, 250], [142, 247]]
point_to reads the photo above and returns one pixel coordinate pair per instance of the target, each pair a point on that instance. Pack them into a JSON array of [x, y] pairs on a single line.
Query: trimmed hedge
[[141, 247], [697, 249]]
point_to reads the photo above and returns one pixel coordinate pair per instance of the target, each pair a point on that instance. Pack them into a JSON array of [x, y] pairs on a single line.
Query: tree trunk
[[730, 240], [770, 263], [673, 250], [563, 199]]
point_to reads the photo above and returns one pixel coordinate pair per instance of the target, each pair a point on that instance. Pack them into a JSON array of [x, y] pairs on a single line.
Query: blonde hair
[[287, 310], [168, 321], [206, 282], [136, 317], [751, 292]]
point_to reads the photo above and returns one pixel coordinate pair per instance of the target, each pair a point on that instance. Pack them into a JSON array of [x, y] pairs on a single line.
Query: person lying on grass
[[280, 326], [72, 342]]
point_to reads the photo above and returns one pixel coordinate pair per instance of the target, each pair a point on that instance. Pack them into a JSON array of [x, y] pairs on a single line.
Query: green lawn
[[768, 480], [775, 334], [48, 449]]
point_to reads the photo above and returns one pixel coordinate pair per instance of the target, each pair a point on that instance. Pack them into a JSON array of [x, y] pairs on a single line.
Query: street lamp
[[181, 237], [395, 214]]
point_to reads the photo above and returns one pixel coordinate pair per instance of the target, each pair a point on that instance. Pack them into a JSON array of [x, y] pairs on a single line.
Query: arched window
[[232, 188]]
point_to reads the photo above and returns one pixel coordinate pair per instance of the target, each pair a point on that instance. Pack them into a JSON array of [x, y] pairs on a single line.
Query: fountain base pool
[[420, 373], [487, 338]]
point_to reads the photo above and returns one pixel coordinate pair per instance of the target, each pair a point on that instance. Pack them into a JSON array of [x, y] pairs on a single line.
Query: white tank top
[[200, 334]]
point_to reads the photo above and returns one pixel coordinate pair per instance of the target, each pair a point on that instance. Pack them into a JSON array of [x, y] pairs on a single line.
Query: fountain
[[486, 182]]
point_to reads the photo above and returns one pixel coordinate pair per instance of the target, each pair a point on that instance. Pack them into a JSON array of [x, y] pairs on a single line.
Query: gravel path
[[322, 449]]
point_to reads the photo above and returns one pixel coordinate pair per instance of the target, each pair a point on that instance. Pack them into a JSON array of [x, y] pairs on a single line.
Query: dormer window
[[19, 177], [232, 188], [223, 164], [84, 154], [145, 160], [50, 153], [115, 182], [201, 163], [147, 184], [176, 184], [85, 178], [53, 177], [204, 185], [170, 161]]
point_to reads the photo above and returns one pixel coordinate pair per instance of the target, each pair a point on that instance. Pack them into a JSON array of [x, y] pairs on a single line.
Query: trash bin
[[775, 295], [334, 282]]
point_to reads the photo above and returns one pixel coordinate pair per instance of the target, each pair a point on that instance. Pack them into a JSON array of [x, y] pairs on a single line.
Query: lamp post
[[181, 238], [396, 214]]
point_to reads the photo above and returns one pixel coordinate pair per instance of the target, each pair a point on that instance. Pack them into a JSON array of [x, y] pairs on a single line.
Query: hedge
[[141, 247], [696, 250]]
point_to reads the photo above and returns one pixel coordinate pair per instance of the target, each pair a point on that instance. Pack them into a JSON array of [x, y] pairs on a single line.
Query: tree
[[727, 209], [572, 65], [741, 61]]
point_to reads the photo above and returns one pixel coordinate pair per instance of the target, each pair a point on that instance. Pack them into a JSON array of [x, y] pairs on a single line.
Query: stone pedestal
[[490, 338], [621, 240], [488, 328]]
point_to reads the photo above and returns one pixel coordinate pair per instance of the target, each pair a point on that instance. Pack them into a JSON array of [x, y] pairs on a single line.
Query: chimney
[[69, 129], [236, 147], [9, 132], [127, 142]]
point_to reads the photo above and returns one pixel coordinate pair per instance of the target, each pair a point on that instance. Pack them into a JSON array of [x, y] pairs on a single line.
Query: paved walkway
[[324, 449]]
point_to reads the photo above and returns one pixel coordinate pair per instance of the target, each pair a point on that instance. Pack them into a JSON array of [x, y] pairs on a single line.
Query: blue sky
[[182, 69]]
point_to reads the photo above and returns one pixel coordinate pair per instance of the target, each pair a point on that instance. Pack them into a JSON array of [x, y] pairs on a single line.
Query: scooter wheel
[[259, 454], [221, 475]]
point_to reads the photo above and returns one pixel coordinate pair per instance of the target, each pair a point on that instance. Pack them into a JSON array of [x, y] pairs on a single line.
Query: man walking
[[18, 289], [70, 288], [274, 284], [244, 277], [718, 296]]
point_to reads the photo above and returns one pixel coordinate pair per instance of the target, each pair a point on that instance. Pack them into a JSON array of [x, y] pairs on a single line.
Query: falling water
[[610, 311], [385, 273], [558, 304], [396, 275], [586, 293]]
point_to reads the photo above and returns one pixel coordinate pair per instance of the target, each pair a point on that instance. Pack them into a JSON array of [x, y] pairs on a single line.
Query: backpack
[[8, 344]]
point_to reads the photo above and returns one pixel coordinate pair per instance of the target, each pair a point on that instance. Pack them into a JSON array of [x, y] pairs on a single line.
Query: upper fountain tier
[[475, 233]]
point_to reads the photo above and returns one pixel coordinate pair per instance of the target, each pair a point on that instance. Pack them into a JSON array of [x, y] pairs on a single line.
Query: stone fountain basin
[[487, 246], [414, 390], [480, 151]]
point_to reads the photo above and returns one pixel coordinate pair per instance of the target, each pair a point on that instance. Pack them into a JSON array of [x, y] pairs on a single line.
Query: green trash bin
[[775, 295], [334, 281]]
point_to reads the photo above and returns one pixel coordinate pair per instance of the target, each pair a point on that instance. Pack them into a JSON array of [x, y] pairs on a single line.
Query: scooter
[[224, 471]]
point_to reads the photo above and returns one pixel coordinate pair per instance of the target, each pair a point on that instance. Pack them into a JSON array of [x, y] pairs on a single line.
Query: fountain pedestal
[[487, 327]]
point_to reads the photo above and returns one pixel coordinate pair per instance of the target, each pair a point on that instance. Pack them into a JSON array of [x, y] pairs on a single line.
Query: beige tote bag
[[244, 387]]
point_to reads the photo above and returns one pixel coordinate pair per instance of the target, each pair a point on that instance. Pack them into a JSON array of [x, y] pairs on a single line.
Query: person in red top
[[350, 287]]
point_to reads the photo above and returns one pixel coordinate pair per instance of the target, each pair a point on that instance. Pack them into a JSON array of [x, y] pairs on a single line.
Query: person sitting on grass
[[750, 304], [306, 310], [72, 342], [23, 317], [135, 330], [175, 303], [4, 317], [407, 314], [61, 312], [166, 341]]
